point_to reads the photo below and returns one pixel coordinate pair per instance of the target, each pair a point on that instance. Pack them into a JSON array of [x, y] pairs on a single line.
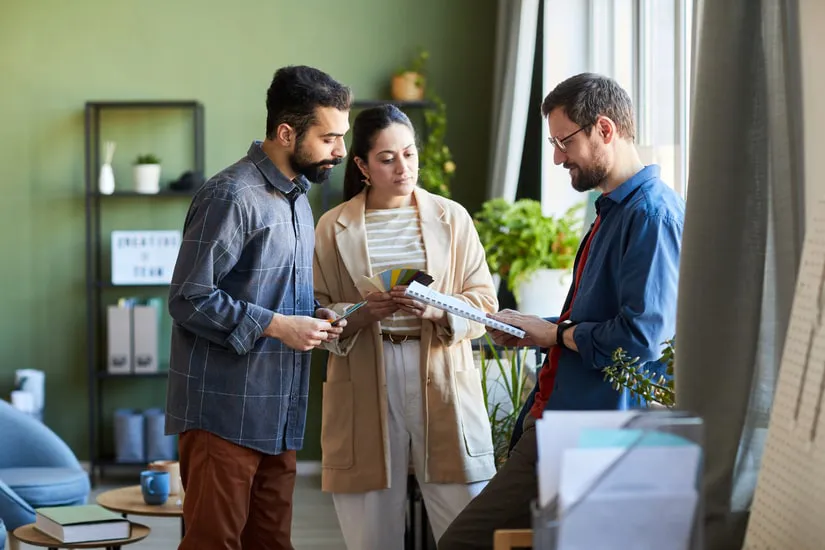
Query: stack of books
[[86, 523]]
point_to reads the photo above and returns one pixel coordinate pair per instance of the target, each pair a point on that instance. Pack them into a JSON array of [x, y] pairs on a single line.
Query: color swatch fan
[[401, 276]]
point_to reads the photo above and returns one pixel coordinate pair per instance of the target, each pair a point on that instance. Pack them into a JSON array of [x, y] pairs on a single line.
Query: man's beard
[[587, 180], [301, 163]]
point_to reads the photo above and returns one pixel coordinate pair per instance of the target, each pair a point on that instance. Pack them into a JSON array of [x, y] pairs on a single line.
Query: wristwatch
[[561, 327]]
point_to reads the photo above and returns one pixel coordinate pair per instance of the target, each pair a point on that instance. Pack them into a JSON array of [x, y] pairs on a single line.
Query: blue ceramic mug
[[155, 486]]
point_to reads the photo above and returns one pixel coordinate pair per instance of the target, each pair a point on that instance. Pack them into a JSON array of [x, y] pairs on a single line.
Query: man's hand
[[299, 331], [419, 309], [329, 315], [538, 332]]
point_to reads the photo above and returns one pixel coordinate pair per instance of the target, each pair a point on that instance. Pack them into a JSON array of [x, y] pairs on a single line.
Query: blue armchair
[[36, 469]]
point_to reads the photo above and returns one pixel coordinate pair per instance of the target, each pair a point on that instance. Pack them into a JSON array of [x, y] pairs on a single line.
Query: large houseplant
[[505, 386], [522, 245]]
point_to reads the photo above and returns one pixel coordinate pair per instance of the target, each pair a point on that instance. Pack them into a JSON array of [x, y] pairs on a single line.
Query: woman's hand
[[380, 305], [419, 309]]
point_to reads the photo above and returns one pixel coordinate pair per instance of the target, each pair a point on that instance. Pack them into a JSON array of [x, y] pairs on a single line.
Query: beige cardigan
[[354, 438]]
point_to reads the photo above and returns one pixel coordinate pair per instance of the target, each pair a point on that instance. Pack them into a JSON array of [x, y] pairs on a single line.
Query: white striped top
[[394, 241]]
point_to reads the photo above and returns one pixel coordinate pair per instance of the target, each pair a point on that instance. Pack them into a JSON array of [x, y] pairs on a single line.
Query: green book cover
[[76, 515]]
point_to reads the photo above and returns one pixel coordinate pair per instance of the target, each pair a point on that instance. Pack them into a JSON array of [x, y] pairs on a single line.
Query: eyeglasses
[[559, 143]]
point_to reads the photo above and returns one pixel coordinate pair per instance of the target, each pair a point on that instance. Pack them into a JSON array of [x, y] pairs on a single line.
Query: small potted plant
[[147, 174], [408, 83], [531, 252]]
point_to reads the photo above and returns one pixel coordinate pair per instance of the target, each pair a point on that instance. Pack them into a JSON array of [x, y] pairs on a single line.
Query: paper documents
[[458, 307], [615, 486]]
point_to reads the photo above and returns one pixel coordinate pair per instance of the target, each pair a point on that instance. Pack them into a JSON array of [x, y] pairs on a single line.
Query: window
[[646, 46]]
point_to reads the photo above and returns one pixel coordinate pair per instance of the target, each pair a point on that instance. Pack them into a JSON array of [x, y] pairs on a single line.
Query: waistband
[[399, 338]]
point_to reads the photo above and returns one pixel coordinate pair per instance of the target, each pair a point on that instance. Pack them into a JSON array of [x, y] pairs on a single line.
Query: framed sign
[[144, 257]]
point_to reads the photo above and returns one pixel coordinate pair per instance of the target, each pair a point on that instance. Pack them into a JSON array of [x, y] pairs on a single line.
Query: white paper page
[[559, 430], [644, 470], [628, 520]]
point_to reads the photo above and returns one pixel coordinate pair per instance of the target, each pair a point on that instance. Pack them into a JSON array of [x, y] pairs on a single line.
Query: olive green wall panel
[[57, 55]]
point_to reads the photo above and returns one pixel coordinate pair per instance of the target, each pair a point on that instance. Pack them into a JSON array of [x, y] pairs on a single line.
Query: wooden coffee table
[[129, 501], [30, 535]]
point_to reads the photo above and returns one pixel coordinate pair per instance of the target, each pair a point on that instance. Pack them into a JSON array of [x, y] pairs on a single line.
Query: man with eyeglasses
[[623, 293]]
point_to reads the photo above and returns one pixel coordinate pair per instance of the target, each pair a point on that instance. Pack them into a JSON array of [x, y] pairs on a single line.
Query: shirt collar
[[273, 176], [623, 191]]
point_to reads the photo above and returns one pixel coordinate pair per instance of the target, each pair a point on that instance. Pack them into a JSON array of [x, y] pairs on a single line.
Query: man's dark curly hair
[[295, 93]]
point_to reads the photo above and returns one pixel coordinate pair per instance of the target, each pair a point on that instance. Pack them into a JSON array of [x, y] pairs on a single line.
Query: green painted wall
[[57, 55]]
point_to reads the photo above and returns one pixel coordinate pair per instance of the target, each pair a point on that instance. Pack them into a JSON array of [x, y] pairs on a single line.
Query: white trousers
[[375, 520]]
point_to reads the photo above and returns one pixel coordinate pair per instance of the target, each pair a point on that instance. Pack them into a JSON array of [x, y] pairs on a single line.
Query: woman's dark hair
[[366, 127], [295, 93]]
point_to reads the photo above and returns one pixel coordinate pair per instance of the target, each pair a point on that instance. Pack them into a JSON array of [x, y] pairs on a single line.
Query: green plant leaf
[[519, 239]]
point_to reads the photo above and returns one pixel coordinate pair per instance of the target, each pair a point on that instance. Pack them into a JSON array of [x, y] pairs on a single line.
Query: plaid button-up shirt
[[246, 253]]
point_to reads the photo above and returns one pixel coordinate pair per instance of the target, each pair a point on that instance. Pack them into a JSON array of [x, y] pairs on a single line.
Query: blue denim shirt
[[246, 253], [627, 295]]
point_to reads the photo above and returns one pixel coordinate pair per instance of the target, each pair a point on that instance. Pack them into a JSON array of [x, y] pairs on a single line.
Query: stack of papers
[[616, 486]]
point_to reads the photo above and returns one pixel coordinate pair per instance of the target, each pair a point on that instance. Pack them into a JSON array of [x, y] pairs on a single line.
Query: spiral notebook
[[457, 307]]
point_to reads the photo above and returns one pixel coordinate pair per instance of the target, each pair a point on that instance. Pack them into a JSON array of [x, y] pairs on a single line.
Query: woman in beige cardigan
[[402, 388]]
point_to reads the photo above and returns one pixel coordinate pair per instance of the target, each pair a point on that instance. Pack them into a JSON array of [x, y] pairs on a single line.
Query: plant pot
[[544, 292], [147, 178], [408, 86]]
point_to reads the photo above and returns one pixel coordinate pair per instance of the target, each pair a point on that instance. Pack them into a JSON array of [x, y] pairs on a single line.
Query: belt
[[398, 338]]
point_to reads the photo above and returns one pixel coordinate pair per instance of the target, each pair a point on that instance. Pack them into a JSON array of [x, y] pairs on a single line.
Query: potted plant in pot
[[147, 174], [408, 83], [531, 252]]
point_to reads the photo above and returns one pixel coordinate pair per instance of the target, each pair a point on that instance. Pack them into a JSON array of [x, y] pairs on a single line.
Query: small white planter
[[147, 178], [544, 293], [106, 183]]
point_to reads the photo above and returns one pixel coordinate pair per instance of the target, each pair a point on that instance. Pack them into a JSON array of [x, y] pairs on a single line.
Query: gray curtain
[[517, 24], [742, 241]]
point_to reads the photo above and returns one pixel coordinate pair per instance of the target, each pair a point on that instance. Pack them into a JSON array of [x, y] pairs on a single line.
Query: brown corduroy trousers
[[235, 497]]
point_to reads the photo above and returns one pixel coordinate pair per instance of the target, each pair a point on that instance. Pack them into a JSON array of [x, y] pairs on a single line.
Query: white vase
[[147, 178], [544, 292], [106, 182]]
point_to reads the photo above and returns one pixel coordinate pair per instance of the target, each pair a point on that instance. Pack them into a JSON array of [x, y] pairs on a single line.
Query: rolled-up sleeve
[[649, 280], [213, 241]]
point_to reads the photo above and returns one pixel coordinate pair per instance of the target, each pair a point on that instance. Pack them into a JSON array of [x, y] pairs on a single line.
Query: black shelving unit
[[98, 377]]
